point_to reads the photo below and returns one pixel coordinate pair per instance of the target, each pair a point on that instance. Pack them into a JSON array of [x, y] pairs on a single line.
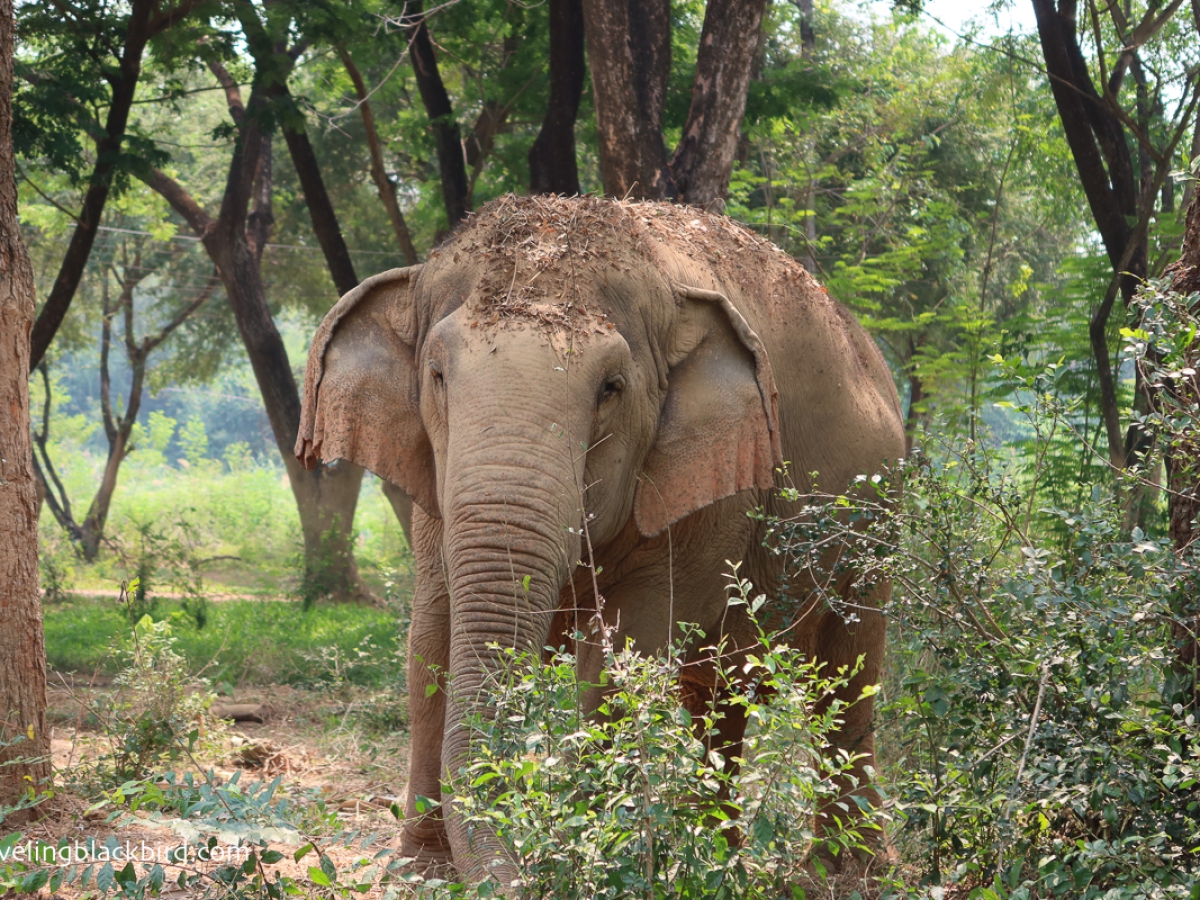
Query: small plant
[[56, 567], [169, 557], [158, 711], [324, 571]]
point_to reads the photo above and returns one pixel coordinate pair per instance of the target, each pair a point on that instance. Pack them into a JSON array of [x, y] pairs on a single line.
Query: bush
[[633, 802], [158, 709], [1039, 727]]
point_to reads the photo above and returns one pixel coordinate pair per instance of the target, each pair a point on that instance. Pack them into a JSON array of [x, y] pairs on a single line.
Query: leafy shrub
[[56, 567], [1037, 720], [193, 440], [158, 709], [634, 803], [168, 554]]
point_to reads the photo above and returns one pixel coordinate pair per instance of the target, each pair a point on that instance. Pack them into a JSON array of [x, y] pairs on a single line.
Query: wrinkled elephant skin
[[649, 366]]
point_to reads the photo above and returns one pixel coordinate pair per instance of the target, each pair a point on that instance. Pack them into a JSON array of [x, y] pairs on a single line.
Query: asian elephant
[[610, 382]]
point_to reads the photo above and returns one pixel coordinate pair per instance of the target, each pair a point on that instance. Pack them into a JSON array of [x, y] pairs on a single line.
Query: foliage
[[158, 710], [259, 813], [1040, 730], [56, 567], [633, 803]]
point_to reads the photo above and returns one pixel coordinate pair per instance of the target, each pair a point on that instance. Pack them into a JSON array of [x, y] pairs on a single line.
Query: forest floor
[[332, 762], [326, 684]]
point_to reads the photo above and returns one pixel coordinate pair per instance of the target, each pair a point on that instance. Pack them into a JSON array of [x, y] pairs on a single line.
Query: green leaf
[[319, 877], [303, 851]]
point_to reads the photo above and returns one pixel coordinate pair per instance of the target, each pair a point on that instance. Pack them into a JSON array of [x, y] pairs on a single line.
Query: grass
[[242, 518], [244, 641]]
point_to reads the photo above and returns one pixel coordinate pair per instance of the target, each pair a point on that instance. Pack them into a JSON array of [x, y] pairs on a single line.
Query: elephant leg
[[840, 643], [424, 834]]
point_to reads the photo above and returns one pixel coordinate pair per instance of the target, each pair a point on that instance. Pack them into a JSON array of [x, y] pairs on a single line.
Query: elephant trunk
[[512, 538]]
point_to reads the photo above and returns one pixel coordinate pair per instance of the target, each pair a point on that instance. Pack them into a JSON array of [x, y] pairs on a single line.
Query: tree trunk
[[326, 497], [1183, 459], [703, 161], [1106, 172], [629, 52], [451, 161], [320, 207], [124, 79], [552, 166], [24, 739]]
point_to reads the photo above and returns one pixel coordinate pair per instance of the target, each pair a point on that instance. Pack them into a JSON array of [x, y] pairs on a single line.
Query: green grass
[[244, 520], [244, 641]]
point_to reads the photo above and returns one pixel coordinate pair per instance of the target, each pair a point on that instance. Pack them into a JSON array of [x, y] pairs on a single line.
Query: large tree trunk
[[703, 161], [24, 739], [552, 166], [629, 53]]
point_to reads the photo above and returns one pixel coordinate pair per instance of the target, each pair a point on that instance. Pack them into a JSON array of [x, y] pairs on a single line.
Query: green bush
[[1036, 718], [157, 711], [633, 802]]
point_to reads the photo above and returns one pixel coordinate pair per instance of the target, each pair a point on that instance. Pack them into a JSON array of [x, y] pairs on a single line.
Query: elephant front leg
[[424, 834]]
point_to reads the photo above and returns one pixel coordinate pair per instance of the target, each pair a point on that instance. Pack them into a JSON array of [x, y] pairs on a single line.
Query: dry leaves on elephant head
[[543, 254]]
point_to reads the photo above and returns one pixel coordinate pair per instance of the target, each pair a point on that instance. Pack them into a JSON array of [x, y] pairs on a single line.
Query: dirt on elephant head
[[543, 255]]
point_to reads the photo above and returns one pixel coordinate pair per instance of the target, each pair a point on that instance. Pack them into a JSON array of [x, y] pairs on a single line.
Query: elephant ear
[[360, 388], [718, 431]]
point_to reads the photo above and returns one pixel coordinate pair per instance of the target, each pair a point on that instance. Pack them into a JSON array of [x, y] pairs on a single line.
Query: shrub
[[158, 709], [633, 802], [1038, 725]]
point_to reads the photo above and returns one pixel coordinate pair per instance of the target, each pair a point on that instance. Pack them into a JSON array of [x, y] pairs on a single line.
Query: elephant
[[591, 397]]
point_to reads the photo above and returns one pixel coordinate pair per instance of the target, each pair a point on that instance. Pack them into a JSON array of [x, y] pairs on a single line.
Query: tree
[[132, 268], [235, 240], [1178, 403], [24, 738], [451, 161], [1124, 157], [383, 184], [81, 56], [552, 166], [629, 49]]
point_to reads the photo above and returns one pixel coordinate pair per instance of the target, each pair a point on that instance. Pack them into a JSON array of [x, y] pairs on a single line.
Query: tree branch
[[180, 201], [233, 93], [150, 344], [383, 184]]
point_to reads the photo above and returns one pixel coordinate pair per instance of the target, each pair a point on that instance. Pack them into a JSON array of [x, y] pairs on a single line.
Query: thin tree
[[451, 160], [133, 270], [1122, 171], [383, 184], [1183, 453], [552, 165], [460, 161], [24, 739]]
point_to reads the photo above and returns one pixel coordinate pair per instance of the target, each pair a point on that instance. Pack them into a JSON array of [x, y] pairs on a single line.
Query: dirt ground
[[321, 746]]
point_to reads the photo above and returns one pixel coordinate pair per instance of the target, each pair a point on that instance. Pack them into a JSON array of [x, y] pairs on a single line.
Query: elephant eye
[[436, 371], [613, 385]]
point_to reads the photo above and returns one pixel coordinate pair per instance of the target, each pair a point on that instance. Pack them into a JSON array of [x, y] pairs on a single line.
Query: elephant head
[[558, 375]]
